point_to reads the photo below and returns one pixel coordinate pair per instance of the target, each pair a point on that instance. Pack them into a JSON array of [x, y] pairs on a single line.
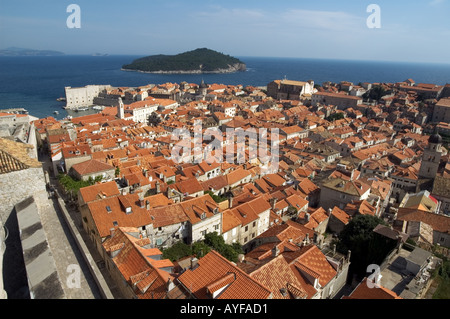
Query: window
[[203, 233], [216, 227], [115, 223], [246, 228]]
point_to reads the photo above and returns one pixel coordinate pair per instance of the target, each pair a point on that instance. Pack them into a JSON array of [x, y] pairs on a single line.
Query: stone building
[[83, 96], [338, 192], [21, 176], [3, 294], [342, 101], [290, 90]]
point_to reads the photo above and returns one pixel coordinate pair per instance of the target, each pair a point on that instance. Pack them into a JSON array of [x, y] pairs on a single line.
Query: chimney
[[147, 204], [230, 201], [349, 254], [275, 251], [306, 239], [194, 263], [241, 258], [307, 217], [158, 187], [142, 203], [170, 285], [112, 231], [273, 202], [399, 244]]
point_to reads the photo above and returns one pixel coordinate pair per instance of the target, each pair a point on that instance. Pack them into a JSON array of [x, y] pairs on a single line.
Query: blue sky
[[412, 31]]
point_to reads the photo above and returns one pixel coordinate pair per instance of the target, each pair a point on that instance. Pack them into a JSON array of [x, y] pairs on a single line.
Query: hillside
[[197, 61]]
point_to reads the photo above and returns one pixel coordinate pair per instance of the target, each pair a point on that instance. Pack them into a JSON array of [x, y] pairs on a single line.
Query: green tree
[[154, 119], [215, 241], [367, 248], [335, 117], [177, 251], [375, 94], [200, 249], [216, 198]]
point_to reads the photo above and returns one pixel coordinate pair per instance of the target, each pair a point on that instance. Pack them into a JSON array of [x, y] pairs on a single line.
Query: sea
[[35, 83]]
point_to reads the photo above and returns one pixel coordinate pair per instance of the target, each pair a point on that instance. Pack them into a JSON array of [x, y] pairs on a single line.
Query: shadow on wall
[[14, 274]]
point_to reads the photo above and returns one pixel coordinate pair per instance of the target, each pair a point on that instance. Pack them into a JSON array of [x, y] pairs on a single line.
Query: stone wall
[[44, 281], [18, 185], [2, 250]]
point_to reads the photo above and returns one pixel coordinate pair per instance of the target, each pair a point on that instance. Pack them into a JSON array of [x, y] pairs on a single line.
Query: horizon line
[[244, 56]]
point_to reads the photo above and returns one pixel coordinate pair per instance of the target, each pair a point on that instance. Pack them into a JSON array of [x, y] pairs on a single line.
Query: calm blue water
[[35, 83]]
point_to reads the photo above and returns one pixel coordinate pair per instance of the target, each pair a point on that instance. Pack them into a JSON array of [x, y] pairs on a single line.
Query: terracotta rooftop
[[439, 223], [91, 166], [315, 261], [362, 291], [277, 276], [144, 275], [214, 269], [14, 157], [99, 191]]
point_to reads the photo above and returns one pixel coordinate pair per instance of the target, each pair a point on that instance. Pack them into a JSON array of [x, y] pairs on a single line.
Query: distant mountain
[[197, 61], [28, 52]]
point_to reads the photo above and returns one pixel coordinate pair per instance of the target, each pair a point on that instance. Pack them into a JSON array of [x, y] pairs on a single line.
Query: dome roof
[[435, 139]]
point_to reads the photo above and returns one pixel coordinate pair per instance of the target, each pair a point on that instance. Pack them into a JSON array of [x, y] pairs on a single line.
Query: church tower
[[121, 109], [431, 157], [203, 89]]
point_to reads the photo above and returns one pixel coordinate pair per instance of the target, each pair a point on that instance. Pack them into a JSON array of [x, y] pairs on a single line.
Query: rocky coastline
[[238, 67]]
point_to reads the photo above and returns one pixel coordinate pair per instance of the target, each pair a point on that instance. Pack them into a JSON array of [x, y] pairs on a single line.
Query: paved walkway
[[67, 252], [68, 259]]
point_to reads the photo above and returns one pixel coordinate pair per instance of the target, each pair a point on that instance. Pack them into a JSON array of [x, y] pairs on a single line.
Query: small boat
[[98, 108], [56, 112], [82, 109], [61, 99]]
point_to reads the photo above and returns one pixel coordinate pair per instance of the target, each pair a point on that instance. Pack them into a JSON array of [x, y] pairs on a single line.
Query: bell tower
[[121, 109], [431, 157]]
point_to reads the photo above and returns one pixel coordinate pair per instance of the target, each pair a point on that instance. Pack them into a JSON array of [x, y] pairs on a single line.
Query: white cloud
[[437, 2]]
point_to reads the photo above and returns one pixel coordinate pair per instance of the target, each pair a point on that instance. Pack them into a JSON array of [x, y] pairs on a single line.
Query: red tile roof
[[91, 167], [277, 276], [316, 262], [214, 269], [143, 274], [362, 291], [99, 191], [115, 216]]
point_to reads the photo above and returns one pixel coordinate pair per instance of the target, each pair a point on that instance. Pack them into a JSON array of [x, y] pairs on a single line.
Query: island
[[13, 51], [193, 62]]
